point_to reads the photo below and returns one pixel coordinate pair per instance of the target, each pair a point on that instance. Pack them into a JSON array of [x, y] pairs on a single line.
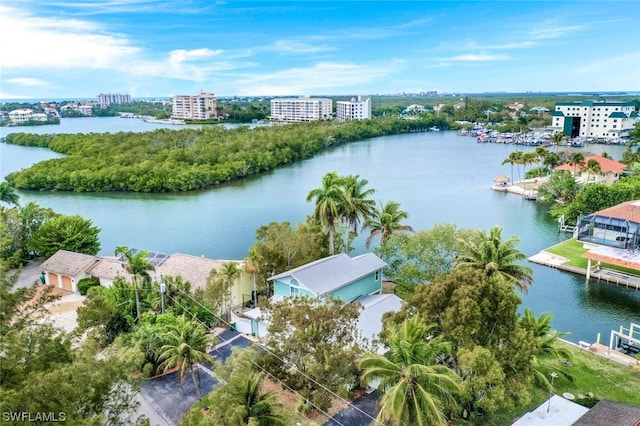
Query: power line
[[256, 364]]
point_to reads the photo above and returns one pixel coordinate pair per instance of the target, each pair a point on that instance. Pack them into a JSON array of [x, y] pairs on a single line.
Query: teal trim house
[[350, 279], [338, 276]]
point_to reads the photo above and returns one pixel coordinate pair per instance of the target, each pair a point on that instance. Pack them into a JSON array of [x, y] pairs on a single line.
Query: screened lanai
[[609, 231]]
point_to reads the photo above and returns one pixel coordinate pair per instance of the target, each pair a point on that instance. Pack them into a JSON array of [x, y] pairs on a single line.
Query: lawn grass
[[592, 375], [572, 249]]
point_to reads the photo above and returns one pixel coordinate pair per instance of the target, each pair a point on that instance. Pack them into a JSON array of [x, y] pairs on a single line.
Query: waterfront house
[[65, 268], [352, 280], [612, 235], [23, 115], [610, 170]]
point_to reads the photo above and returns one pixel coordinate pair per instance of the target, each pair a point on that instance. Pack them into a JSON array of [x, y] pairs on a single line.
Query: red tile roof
[[607, 165], [629, 210]]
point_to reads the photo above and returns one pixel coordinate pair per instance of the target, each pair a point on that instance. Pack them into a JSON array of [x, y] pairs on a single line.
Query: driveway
[[164, 394], [368, 403]]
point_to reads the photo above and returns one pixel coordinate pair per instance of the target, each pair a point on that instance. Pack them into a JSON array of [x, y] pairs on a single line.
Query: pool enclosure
[[609, 231]]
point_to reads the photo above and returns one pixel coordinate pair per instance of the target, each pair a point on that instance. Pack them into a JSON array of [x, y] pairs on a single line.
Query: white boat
[[434, 129]]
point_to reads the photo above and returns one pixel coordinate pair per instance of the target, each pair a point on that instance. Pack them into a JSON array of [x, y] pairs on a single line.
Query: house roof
[[607, 165], [555, 411], [194, 269], [330, 273], [617, 114], [374, 306], [557, 114], [611, 413], [629, 210], [68, 263], [109, 268]]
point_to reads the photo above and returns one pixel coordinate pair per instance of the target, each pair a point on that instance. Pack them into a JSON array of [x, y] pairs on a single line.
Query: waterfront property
[[203, 106], [594, 119], [610, 170], [616, 227], [352, 280], [64, 269], [301, 109], [106, 99], [355, 109], [23, 115]]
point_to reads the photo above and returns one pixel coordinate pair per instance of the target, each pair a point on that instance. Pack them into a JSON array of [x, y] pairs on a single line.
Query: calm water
[[437, 177]]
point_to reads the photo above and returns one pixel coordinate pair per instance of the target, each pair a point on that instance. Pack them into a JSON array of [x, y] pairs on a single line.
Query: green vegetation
[[188, 159], [573, 250]]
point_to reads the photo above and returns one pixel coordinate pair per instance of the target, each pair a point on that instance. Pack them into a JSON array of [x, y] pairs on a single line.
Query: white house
[[26, 114]]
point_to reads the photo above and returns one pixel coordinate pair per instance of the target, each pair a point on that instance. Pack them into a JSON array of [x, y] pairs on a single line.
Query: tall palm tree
[[138, 265], [229, 271], [328, 198], [357, 204], [488, 253], [415, 388], [576, 160], [385, 221], [8, 194], [252, 265], [258, 408], [557, 138], [514, 157], [592, 166], [186, 345], [528, 158]]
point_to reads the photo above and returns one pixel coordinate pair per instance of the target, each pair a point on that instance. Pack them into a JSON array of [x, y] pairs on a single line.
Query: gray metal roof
[[330, 273], [374, 306]]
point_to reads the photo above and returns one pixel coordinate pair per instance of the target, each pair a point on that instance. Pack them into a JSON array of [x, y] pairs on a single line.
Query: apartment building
[[301, 109], [203, 106], [355, 109], [106, 99], [594, 119]]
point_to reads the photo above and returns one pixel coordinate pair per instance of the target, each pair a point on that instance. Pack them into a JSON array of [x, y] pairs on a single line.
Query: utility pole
[[553, 376]]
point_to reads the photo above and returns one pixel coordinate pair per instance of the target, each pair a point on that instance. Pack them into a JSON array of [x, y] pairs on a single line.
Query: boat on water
[[434, 129]]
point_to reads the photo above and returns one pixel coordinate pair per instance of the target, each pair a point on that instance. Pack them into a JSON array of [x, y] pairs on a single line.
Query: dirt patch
[[290, 401]]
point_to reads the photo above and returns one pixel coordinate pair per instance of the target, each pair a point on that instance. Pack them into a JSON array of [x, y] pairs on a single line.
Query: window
[[377, 275], [295, 291]]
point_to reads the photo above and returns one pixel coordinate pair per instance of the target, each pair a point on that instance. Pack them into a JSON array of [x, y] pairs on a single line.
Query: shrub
[[85, 284], [148, 370]]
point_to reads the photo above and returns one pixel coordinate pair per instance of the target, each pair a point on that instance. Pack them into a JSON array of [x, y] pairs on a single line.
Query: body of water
[[437, 177]]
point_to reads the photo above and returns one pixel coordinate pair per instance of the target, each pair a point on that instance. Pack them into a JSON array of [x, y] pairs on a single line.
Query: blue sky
[[77, 49]]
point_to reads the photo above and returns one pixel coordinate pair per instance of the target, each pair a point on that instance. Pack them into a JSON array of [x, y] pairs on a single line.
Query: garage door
[[53, 279], [66, 283]]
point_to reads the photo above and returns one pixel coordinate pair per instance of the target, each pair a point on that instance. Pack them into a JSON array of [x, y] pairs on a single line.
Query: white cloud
[[322, 78], [551, 31], [26, 81], [58, 43], [475, 57], [182, 55], [297, 47]]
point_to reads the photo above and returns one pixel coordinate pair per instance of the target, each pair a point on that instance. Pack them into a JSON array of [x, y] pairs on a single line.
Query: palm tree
[[557, 138], [8, 194], [357, 204], [528, 158], [514, 157], [415, 388], [258, 408], [229, 271], [138, 265], [592, 166], [551, 161], [385, 221], [186, 345], [488, 253], [252, 264], [546, 339], [328, 198], [576, 160]]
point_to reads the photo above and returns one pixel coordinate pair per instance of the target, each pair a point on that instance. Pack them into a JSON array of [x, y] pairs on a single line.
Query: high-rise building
[[355, 109], [106, 99], [594, 119], [203, 106], [301, 109]]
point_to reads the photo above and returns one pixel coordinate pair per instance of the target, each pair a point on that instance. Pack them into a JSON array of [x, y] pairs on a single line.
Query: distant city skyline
[[77, 49]]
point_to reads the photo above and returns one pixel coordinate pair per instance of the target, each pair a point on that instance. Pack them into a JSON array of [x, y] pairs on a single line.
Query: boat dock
[[602, 274]]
